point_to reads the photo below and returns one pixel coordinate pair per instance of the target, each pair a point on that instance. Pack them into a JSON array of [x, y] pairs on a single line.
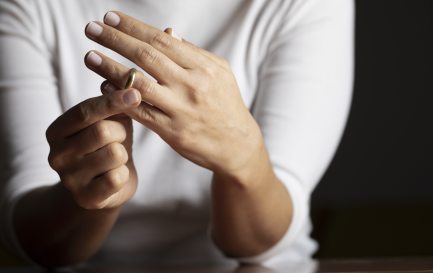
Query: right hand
[[91, 150]]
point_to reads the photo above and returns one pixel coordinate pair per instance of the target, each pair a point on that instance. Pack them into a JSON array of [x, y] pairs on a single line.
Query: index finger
[[92, 110], [183, 54]]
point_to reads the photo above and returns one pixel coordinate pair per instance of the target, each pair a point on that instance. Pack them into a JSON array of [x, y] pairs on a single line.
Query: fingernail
[[173, 34], [111, 19], [108, 88], [131, 98], [93, 29], [93, 59]]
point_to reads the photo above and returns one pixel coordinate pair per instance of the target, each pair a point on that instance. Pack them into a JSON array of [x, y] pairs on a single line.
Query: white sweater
[[293, 60]]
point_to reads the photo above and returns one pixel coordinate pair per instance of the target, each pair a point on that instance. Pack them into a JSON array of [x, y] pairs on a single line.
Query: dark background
[[376, 198]]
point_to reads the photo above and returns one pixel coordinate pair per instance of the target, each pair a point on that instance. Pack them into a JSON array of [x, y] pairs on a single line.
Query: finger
[[181, 53], [95, 164], [151, 92], [108, 87], [96, 136], [173, 34], [158, 65], [105, 185], [200, 50], [148, 115], [211, 56], [107, 158], [90, 111], [92, 138]]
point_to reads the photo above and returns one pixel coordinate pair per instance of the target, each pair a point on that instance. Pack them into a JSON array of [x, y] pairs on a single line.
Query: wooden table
[[390, 265]]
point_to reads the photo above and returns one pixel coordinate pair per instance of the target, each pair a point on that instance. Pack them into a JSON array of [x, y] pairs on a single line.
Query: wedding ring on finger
[[131, 78]]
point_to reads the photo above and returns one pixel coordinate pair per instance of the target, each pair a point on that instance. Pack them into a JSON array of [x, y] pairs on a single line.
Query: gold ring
[[131, 78]]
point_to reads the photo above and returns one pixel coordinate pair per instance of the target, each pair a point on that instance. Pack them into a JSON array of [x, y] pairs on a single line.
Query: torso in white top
[[293, 63]]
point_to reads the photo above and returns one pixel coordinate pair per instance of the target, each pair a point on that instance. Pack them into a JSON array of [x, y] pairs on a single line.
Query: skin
[[91, 151], [196, 107]]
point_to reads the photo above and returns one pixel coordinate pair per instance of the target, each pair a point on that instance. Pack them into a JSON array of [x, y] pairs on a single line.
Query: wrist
[[249, 174], [245, 149]]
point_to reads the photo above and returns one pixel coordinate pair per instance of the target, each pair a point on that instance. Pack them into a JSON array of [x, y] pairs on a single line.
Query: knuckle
[[197, 90], [180, 138], [110, 104], [68, 181], [97, 205], [146, 55], [113, 181], [146, 114], [84, 111], [209, 70], [100, 131], [56, 161], [195, 95], [114, 70], [49, 133], [202, 79], [160, 40], [123, 172], [88, 203], [117, 152], [147, 87], [132, 28], [113, 37]]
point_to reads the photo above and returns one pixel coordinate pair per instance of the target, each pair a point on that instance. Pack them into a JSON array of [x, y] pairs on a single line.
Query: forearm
[[54, 231], [251, 210]]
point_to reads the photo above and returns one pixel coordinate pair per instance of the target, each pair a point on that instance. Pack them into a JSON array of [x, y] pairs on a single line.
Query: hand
[[194, 104], [90, 148]]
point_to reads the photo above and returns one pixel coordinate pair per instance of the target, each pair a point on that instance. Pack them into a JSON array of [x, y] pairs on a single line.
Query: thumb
[[126, 96], [130, 98], [108, 88], [92, 110]]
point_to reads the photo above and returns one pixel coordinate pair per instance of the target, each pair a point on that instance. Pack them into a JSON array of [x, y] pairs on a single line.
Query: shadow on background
[[376, 198]]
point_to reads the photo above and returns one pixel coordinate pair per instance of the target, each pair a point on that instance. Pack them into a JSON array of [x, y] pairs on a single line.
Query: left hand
[[194, 104]]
